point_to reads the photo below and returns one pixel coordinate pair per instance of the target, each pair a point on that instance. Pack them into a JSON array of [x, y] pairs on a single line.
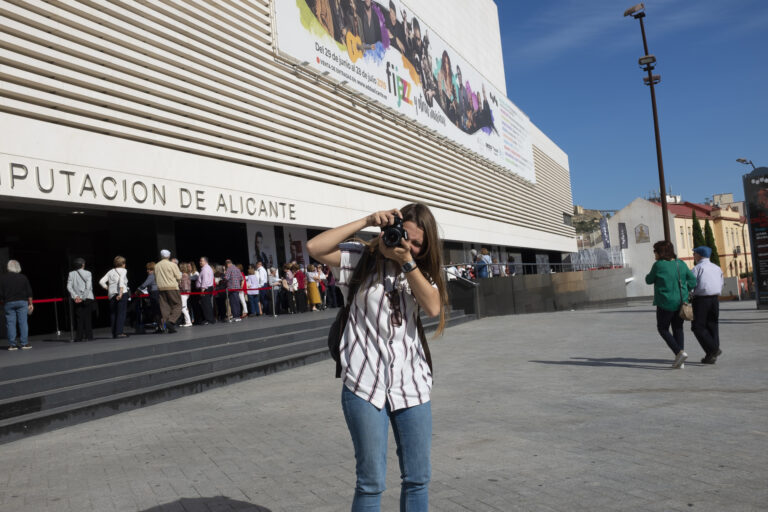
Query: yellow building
[[729, 228]]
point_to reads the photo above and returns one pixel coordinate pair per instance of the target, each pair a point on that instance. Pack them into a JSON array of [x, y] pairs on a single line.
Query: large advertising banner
[[756, 199], [385, 53]]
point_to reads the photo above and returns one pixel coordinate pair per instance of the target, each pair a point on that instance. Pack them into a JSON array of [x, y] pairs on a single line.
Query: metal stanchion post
[[70, 302], [56, 317], [274, 306]]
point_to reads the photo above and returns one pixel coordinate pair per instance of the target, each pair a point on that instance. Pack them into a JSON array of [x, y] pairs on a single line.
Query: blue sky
[[572, 67]]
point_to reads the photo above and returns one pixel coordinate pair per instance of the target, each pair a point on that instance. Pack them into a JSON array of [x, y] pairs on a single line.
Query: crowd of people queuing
[[174, 294], [482, 266], [177, 294]]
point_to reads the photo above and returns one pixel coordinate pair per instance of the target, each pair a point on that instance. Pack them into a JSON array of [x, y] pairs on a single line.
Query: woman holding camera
[[385, 370]]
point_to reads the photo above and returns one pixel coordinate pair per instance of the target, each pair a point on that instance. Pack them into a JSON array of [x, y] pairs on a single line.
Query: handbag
[[686, 309]]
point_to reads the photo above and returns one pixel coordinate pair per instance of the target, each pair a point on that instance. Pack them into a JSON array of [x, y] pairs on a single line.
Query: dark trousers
[[675, 340], [301, 300], [117, 310], [330, 296], [235, 307], [206, 305], [265, 297], [221, 304], [170, 306], [706, 312], [83, 313]]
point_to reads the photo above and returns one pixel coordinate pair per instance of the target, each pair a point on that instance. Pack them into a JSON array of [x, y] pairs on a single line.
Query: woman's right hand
[[383, 218]]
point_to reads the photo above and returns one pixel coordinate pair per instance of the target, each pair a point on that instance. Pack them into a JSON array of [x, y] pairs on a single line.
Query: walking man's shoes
[[712, 359]]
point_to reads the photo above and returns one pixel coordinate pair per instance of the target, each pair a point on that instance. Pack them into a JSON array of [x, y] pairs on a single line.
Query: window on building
[[690, 238], [567, 219], [682, 236]]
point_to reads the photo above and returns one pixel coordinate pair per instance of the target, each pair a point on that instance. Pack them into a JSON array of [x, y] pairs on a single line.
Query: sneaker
[[13, 347], [238, 319], [26, 347], [682, 365], [680, 359], [187, 325]]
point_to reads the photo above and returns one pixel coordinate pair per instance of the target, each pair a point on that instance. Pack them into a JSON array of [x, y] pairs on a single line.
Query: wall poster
[[261, 244], [381, 50], [296, 245]]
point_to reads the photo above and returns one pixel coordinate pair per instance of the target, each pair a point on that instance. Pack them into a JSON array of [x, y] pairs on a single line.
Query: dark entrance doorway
[[46, 239]]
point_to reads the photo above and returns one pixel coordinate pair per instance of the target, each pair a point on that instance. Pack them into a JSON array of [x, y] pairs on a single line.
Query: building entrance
[[46, 239]]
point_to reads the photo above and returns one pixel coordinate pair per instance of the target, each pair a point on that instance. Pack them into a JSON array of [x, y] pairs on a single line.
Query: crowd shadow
[[208, 504], [615, 362], [742, 321], [624, 311]]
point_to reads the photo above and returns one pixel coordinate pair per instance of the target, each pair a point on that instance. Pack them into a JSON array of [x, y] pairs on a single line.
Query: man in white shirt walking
[[706, 307]]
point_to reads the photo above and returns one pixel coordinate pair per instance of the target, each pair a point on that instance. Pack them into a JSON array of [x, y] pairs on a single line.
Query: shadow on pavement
[[625, 311], [617, 362], [743, 322], [214, 504]]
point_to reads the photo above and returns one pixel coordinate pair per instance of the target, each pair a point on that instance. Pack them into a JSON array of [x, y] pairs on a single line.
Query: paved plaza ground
[[564, 411]]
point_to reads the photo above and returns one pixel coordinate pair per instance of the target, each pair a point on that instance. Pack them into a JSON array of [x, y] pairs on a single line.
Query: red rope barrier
[[104, 297], [43, 301]]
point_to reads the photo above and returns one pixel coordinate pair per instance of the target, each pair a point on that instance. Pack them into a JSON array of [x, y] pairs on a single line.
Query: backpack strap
[[354, 285], [424, 345]]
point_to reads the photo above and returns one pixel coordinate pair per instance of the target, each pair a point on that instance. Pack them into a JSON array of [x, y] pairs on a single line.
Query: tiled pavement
[[563, 411]]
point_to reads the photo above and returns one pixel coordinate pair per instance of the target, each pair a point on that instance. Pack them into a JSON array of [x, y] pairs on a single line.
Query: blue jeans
[[412, 429], [16, 314], [253, 304]]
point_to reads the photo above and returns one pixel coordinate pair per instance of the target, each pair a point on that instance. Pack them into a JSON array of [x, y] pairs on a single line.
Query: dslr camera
[[394, 233]]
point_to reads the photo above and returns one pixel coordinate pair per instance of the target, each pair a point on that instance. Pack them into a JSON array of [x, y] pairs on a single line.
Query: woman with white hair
[[16, 295]]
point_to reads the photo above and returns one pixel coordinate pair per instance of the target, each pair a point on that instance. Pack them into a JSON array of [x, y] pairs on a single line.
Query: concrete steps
[[63, 388]]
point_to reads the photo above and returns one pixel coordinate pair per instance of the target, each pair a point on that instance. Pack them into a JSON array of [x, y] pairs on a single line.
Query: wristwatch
[[408, 266]]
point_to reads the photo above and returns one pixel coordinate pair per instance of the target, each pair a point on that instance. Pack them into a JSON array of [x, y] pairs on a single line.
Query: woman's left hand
[[401, 254]]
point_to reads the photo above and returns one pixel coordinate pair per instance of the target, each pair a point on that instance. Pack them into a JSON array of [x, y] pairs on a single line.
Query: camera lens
[[392, 237]]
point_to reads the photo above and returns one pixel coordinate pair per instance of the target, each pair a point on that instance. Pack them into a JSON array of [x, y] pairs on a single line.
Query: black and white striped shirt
[[380, 362]]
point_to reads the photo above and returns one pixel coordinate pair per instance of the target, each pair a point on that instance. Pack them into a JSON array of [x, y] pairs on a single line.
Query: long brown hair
[[429, 260]]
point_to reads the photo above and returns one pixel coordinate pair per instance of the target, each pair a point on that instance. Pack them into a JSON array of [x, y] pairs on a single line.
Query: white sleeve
[[104, 281], [351, 252]]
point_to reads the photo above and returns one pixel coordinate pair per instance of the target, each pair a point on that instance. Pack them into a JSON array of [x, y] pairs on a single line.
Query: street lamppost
[[647, 62], [746, 162]]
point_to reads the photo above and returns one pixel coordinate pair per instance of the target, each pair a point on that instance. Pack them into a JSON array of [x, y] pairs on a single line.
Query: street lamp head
[[636, 11], [745, 162], [656, 80], [646, 60]]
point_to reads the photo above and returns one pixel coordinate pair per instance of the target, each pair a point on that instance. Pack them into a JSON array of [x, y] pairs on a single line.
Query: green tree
[[698, 235], [709, 241]]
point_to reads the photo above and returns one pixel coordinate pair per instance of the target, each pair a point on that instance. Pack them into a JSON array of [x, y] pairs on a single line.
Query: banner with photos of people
[[384, 52]]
